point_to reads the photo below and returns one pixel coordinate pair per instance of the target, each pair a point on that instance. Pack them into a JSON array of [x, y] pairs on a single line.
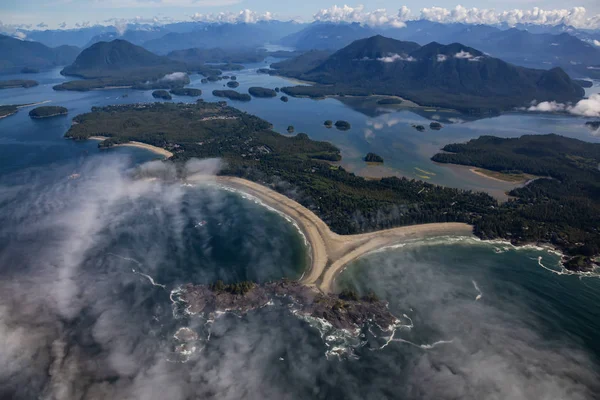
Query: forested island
[[47, 112], [285, 99], [262, 92], [436, 126], [562, 211], [17, 83], [373, 158], [232, 95], [343, 125], [161, 94], [7, 111], [233, 84], [191, 92]]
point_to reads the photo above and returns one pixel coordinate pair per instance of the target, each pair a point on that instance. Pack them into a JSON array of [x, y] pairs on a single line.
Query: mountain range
[[539, 50], [17, 54], [453, 76]]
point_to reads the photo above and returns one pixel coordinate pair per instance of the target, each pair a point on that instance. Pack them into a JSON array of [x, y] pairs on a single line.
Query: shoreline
[[156, 150], [329, 252]]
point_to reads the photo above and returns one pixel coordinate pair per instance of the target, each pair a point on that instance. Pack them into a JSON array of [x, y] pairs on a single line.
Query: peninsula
[[352, 205]]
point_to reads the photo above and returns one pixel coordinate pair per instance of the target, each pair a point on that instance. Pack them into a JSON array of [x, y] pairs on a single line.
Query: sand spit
[[158, 150], [331, 252]]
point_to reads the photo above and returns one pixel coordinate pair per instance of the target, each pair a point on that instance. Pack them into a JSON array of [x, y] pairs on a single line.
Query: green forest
[[561, 207]]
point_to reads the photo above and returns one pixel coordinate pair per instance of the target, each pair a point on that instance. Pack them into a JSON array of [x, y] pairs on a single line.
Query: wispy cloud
[[163, 3], [378, 17], [246, 16]]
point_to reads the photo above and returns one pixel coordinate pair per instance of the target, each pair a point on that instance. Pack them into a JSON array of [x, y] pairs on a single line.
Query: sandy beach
[[158, 150], [330, 252]]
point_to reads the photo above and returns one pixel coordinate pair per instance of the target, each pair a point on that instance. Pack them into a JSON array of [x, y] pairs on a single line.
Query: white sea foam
[[480, 294], [152, 281], [424, 346]]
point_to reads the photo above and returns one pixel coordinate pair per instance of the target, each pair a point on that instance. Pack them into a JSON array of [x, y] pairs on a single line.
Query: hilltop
[[120, 58], [451, 76]]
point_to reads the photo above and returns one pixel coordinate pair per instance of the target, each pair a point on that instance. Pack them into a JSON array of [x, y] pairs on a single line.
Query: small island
[[373, 158], [346, 310], [191, 92], [262, 92], [436, 126], [233, 77], [290, 129], [7, 111], [285, 99], [593, 125], [161, 94], [584, 83], [233, 84], [389, 101], [17, 83], [328, 123], [232, 95], [420, 128], [342, 125], [29, 70], [47, 112]]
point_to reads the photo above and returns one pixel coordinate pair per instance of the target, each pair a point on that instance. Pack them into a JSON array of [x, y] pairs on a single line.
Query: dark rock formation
[[345, 311]]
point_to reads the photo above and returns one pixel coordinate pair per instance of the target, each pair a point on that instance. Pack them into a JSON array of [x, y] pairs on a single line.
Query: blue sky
[[55, 12]]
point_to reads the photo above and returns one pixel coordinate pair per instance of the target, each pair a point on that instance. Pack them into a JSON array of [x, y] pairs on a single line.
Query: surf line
[[149, 278], [424, 346]]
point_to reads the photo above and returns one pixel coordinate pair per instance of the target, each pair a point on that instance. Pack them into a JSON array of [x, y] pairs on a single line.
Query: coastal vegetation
[[328, 123], [342, 125], [161, 94], [233, 84], [420, 128], [262, 92], [191, 92], [17, 83], [47, 112], [232, 95], [562, 210], [285, 99], [373, 158], [6, 111], [290, 129], [436, 126]]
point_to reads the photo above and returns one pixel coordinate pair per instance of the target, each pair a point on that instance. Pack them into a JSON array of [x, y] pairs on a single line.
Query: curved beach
[[330, 252], [157, 150]]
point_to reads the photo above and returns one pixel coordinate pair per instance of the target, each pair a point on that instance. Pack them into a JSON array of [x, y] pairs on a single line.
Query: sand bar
[[331, 252]]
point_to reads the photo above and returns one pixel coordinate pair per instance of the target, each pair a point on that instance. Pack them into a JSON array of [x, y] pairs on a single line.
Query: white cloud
[[379, 17], [441, 58], [589, 107], [42, 25], [62, 25], [576, 16], [396, 57], [246, 16], [597, 43], [463, 54], [175, 76], [163, 3]]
